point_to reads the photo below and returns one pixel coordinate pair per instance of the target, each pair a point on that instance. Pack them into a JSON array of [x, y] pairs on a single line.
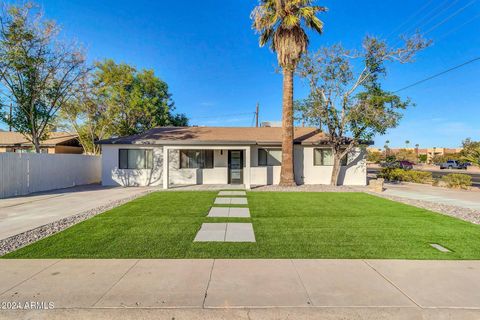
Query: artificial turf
[[286, 225]]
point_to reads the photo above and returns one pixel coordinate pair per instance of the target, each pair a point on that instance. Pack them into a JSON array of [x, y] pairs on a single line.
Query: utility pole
[[257, 111]]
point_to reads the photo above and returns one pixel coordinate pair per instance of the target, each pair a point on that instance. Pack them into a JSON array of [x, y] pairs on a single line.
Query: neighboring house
[[57, 142], [213, 155]]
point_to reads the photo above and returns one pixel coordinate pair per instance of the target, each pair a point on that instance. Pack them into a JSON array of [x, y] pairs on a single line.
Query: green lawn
[[287, 225]]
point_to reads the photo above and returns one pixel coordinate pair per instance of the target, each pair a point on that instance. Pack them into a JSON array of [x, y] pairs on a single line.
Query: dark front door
[[235, 166]]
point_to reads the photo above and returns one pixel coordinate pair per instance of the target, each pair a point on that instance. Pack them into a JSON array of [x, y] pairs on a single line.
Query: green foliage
[[374, 156], [471, 151], [281, 24], [395, 174], [457, 180], [354, 103], [38, 71], [135, 100], [438, 159], [408, 155], [422, 158]]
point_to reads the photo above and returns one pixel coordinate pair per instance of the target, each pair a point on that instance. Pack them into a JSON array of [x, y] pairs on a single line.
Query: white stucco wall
[[355, 173]]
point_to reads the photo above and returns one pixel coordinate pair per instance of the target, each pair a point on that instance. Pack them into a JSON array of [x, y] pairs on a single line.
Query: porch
[[214, 166]]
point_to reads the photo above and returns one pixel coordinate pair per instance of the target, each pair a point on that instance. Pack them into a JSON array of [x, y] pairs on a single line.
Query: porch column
[[165, 167], [247, 168]]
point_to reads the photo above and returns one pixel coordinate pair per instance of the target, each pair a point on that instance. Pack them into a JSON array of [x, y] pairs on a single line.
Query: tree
[[374, 156], [354, 103], [89, 117], [408, 155], [471, 151], [38, 72], [281, 24], [117, 100], [136, 100], [407, 143]]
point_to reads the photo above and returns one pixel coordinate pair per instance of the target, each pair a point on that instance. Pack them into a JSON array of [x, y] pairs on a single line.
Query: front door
[[235, 166]]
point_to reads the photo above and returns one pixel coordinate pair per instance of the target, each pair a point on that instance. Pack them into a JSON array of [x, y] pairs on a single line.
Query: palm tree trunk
[[287, 177]]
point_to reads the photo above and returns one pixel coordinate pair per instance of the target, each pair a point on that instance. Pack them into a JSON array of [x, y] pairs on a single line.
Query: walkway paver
[[395, 285], [211, 232], [225, 232], [226, 212], [232, 193], [231, 201], [239, 232]]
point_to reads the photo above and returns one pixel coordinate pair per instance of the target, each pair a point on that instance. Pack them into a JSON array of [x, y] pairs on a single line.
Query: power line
[[409, 19], [427, 17], [437, 15], [457, 28], [438, 74], [451, 16]]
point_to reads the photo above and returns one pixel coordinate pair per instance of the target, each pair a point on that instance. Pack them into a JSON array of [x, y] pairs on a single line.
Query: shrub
[[457, 180], [391, 174]]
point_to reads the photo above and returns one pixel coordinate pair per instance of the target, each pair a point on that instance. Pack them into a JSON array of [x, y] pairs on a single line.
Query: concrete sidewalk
[[262, 289], [24, 213], [459, 198]]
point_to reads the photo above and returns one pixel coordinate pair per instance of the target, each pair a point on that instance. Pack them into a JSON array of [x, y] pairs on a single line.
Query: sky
[[208, 54]]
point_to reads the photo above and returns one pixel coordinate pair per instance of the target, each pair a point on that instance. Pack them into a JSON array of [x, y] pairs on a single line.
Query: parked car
[[453, 164], [399, 164]]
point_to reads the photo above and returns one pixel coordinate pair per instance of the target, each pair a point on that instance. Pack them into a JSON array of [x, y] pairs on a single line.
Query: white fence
[[24, 173]]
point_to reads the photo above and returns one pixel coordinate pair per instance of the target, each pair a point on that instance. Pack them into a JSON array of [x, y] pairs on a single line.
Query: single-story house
[[57, 142], [222, 155]]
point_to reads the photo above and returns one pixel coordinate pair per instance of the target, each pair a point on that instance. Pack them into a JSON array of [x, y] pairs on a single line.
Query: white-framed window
[[324, 157], [196, 159], [135, 158], [269, 157]]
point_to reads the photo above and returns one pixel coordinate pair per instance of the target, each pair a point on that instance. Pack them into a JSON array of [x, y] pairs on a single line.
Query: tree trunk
[[287, 177], [36, 144], [336, 169]]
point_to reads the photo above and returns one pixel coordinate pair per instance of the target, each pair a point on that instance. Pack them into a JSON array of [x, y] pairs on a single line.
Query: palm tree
[[407, 143], [281, 24]]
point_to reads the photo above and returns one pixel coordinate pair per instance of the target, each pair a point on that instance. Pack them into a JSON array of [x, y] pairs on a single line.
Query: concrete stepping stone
[[239, 213], [211, 232], [226, 212], [232, 193], [240, 232], [231, 201], [225, 232]]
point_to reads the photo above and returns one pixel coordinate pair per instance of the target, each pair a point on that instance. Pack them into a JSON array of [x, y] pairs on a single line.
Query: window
[[135, 159], [196, 159], [324, 157], [269, 157]]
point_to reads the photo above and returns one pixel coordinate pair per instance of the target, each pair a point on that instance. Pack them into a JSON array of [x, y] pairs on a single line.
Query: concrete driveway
[[459, 198], [21, 214]]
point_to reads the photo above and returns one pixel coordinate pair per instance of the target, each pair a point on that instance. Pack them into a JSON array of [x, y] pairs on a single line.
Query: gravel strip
[[462, 213], [25, 238], [309, 188]]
